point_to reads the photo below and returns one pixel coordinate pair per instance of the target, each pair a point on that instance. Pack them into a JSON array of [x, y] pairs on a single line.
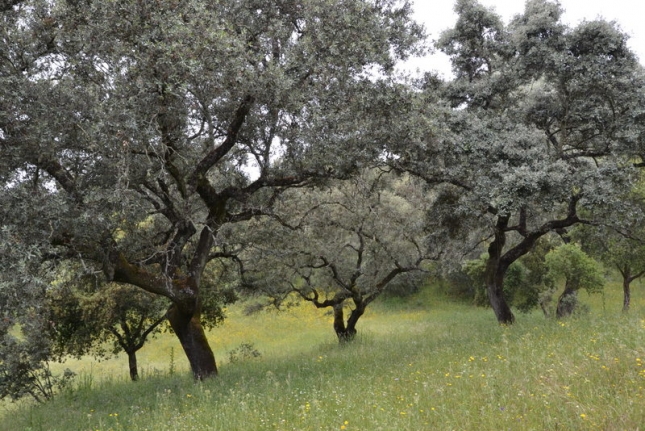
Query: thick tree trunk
[[184, 315], [495, 288], [347, 332], [132, 363], [343, 333], [499, 261], [193, 340], [495, 272], [567, 302], [626, 293], [353, 319]]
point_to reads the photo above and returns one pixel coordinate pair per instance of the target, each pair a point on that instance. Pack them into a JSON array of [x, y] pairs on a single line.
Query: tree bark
[[626, 272], [498, 261], [567, 302], [184, 315], [495, 289], [353, 319], [626, 293], [132, 363], [189, 330], [343, 333], [495, 272], [347, 332]]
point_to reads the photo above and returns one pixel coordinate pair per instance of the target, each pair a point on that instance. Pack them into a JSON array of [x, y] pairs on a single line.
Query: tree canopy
[[578, 270], [128, 129], [150, 145], [541, 123], [342, 245]]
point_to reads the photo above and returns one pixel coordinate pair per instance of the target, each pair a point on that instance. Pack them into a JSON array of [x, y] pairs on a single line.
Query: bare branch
[[215, 155]]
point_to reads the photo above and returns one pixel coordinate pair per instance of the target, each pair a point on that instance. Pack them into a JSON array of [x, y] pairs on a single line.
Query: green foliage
[[527, 133], [535, 260], [171, 362], [25, 329], [344, 243], [458, 284], [121, 315], [406, 284], [129, 146], [522, 294], [25, 375], [243, 352], [102, 319], [523, 283], [617, 247], [218, 291], [475, 270], [578, 270], [477, 36], [25, 356], [618, 242]]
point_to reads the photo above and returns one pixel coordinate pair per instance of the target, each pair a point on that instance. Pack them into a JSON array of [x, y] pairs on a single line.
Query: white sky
[[438, 15]]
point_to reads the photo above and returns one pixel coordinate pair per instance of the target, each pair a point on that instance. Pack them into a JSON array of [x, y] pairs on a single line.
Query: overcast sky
[[438, 15]]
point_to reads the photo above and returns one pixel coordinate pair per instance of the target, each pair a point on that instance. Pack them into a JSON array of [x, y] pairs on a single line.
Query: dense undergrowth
[[420, 363]]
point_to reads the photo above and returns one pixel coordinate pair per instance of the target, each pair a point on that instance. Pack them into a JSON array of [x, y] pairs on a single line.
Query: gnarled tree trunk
[[347, 332], [495, 289], [495, 272], [184, 315], [132, 363], [499, 261], [185, 321], [343, 333], [567, 301]]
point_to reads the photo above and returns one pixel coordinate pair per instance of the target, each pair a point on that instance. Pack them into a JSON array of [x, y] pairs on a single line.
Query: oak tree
[[578, 270], [132, 132], [541, 121], [343, 245]]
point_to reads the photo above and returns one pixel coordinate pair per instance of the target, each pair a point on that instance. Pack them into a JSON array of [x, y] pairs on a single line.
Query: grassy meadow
[[423, 363]]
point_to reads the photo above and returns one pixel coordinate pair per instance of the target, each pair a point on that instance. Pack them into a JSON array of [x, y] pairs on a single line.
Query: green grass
[[423, 363]]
